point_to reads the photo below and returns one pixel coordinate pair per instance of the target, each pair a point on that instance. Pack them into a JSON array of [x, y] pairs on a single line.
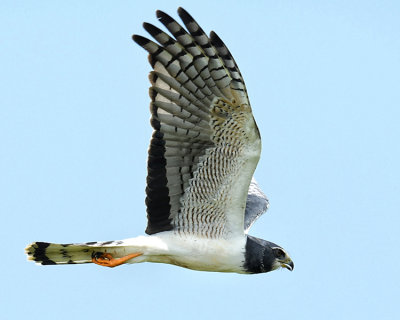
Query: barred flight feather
[[205, 144]]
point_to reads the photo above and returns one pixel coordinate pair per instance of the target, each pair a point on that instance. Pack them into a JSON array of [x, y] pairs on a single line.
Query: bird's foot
[[106, 259]]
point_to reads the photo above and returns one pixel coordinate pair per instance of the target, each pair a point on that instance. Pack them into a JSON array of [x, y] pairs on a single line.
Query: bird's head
[[264, 256], [282, 259]]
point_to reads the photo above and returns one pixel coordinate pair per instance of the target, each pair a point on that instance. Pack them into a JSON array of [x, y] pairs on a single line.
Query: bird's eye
[[279, 253]]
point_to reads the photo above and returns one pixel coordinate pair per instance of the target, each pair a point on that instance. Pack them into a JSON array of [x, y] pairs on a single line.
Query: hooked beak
[[288, 265]]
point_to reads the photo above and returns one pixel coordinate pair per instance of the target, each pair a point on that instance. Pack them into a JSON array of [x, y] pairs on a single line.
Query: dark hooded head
[[264, 256]]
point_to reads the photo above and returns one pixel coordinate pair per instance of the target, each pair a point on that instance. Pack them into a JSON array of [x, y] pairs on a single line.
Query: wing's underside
[[257, 203], [205, 145]]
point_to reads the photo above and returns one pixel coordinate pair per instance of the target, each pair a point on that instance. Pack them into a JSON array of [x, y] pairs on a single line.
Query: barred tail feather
[[46, 253]]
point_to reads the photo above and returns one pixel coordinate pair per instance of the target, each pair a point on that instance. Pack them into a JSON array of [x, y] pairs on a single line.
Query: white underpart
[[188, 251]]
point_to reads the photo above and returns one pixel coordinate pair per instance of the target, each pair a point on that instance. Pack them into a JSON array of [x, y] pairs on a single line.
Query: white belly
[[189, 252]]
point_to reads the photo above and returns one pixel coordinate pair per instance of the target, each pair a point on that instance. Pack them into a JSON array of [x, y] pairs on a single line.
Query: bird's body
[[192, 252], [182, 250], [187, 251], [201, 195]]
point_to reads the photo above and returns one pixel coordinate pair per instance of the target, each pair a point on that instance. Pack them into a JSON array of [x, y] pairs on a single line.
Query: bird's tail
[[46, 253]]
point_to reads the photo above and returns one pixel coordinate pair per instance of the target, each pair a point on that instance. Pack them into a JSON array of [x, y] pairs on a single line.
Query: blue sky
[[323, 79]]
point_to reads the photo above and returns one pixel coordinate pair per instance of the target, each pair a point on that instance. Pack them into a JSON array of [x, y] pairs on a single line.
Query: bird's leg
[[106, 259]]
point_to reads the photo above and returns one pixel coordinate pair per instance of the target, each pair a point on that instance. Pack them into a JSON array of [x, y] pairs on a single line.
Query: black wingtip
[[163, 17], [184, 15], [141, 41], [153, 30], [181, 11], [190, 23], [216, 40]]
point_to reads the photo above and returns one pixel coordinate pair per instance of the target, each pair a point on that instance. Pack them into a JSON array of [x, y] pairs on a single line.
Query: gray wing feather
[[257, 204]]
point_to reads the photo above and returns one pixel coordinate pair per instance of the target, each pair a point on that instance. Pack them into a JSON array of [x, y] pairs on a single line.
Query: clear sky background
[[323, 79]]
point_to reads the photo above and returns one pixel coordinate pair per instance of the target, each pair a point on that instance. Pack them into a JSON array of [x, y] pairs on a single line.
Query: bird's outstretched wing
[[257, 204], [205, 145]]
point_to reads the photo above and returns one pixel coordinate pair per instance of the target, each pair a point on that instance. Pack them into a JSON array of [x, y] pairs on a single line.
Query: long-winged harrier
[[201, 197]]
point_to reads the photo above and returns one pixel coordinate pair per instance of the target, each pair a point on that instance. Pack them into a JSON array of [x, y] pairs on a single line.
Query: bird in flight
[[201, 196]]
